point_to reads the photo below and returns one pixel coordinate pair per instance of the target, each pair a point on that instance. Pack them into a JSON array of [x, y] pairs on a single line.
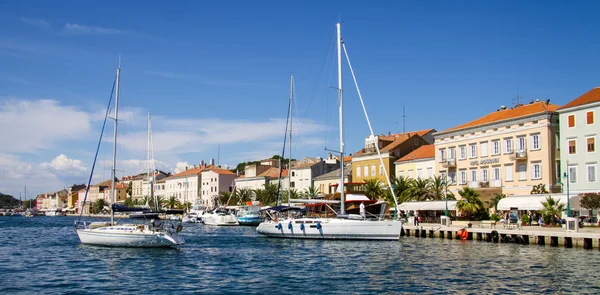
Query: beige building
[[507, 151], [328, 182], [418, 164]]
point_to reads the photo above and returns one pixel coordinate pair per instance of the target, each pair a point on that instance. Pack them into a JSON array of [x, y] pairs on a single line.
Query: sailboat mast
[[290, 155], [114, 159], [148, 166], [341, 115]]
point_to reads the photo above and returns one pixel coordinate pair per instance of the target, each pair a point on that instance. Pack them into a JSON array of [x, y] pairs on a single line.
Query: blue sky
[[216, 74]]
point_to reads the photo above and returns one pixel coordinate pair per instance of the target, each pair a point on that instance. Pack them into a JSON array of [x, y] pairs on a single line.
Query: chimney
[[537, 100], [531, 102], [201, 163], [503, 107], [547, 101], [212, 161], [389, 133]]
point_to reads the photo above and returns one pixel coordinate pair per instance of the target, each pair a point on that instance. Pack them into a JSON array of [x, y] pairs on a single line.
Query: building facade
[[366, 163], [328, 182], [214, 182], [418, 164], [579, 132], [186, 186], [507, 151], [304, 171]]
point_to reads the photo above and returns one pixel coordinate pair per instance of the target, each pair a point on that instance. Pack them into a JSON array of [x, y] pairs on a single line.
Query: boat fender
[[278, 226], [302, 226], [465, 235], [459, 232], [319, 225], [494, 235], [290, 225], [179, 227]]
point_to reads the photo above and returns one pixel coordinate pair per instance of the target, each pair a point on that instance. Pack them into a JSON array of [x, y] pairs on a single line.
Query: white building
[[186, 185], [420, 163], [213, 182], [304, 171], [328, 182], [579, 157]]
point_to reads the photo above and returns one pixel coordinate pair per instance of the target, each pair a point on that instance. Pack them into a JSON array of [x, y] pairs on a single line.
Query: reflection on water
[[43, 254]]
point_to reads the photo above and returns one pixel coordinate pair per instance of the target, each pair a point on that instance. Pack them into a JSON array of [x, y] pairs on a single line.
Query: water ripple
[[43, 254]]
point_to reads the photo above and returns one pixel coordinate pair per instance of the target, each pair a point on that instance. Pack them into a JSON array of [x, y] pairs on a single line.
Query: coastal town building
[[120, 193], [419, 163], [506, 151], [140, 183], [366, 163], [214, 182], [251, 181], [328, 182], [186, 185], [579, 131], [304, 171]]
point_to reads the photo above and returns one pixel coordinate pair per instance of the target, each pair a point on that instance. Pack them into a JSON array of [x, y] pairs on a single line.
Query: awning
[[428, 205], [534, 202]]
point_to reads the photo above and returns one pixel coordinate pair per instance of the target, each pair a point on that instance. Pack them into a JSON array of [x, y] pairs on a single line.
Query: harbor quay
[[586, 238]]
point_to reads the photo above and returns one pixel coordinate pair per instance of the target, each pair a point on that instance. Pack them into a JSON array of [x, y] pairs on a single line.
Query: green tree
[[129, 202], [129, 189], [539, 189], [268, 195], [224, 197], [470, 203], [173, 202], [401, 186], [312, 192], [243, 195], [438, 188], [290, 194], [420, 189], [551, 210], [493, 203], [98, 206], [589, 201], [373, 188], [185, 205]]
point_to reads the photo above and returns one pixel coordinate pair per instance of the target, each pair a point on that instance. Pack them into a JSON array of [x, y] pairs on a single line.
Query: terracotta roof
[[305, 163], [423, 152], [589, 97], [193, 171], [220, 171], [512, 113], [104, 183], [392, 137], [347, 159]]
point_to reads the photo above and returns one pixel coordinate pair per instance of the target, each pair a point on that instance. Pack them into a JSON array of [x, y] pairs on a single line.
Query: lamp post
[[446, 194], [566, 176]]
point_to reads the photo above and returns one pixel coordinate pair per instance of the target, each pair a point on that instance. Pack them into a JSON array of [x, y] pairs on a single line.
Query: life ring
[[459, 232], [179, 227], [465, 235]]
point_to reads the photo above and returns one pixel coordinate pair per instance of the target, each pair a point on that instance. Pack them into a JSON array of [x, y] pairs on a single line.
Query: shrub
[[525, 218]]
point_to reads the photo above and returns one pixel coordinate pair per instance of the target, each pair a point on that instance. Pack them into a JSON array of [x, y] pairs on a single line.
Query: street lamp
[[445, 184], [566, 176]]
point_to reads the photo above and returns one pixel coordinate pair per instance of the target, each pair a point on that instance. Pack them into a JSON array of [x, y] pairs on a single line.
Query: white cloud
[[63, 165], [16, 174], [91, 30], [39, 124], [180, 166], [35, 22]]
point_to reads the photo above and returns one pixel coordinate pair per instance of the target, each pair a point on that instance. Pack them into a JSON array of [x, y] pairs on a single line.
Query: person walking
[[416, 218]]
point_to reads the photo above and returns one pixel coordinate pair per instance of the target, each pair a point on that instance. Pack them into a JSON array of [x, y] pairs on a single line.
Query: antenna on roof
[[517, 100], [403, 120]]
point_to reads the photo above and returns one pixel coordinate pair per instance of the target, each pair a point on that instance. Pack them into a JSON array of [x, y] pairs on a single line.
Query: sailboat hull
[[128, 238], [335, 229]]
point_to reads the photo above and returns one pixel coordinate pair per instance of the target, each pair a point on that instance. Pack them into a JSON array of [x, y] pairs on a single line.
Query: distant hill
[[8, 201]]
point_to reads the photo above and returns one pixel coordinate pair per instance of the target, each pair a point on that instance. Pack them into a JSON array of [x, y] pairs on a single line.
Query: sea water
[[44, 255]]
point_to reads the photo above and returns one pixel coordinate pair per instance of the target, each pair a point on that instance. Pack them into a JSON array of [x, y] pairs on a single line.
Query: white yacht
[[220, 216]]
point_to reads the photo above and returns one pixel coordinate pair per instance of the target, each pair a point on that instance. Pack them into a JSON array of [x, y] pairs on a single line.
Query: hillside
[[8, 201]]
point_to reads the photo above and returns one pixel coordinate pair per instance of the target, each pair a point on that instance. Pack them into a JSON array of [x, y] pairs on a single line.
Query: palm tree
[[438, 188], [224, 197], [268, 195], [243, 195], [311, 192], [173, 202], [552, 209], [98, 206], [470, 202], [129, 202], [401, 186], [493, 203], [373, 188], [290, 194], [420, 189]]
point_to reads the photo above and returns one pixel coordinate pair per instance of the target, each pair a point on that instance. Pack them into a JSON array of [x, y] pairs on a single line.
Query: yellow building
[[507, 151], [366, 163], [418, 164]]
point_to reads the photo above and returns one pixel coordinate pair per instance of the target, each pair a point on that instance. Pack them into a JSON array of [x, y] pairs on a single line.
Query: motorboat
[[220, 216]]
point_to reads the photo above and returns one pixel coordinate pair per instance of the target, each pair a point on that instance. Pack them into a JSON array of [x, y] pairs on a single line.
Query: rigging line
[[314, 90], [283, 153], [87, 189], [387, 177]]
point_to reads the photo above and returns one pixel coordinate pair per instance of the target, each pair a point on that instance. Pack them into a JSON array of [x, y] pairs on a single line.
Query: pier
[[586, 238]]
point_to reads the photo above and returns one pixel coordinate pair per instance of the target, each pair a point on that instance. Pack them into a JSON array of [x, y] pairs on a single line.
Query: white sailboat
[[154, 234], [343, 226]]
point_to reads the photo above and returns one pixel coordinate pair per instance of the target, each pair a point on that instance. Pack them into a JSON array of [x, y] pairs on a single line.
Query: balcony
[[451, 163], [519, 155]]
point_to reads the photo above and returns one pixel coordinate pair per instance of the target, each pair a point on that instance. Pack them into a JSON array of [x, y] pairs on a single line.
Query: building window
[[522, 171], [591, 147], [380, 170], [508, 147], [473, 151], [591, 171], [463, 152], [366, 171], [419, 173], [473, 175], [484, 149], [521, 144], [484, 175], [410, 174], [509, 173], [495, 148], [589, 118], [572, 149], [429, 172], [573, 174], [452, 177], [536, 171], [442, 155], [452, 154], [462, 177], [401, 173], [572, 121], [293, 174], [496, 174], [373, 170], [535, 142], [358, 171]]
